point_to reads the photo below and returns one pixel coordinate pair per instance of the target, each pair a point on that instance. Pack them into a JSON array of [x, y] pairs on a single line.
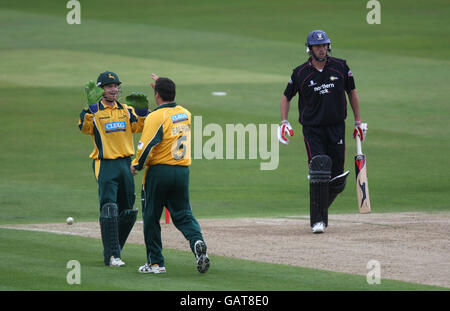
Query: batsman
[[322, 83], [111, 125]]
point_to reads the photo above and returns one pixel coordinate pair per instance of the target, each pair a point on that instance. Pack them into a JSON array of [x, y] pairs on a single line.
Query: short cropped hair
[[166, 89]]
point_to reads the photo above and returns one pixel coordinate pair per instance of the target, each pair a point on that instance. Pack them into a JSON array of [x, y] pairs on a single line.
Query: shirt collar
[[326, 63], [116, 105], [168, 105]]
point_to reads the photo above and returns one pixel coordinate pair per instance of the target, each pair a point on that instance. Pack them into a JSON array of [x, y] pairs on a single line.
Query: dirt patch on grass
[[411, 247]]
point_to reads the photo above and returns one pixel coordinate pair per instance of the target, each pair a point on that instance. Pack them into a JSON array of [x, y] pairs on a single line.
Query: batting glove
[[283, 130], [360, 130]]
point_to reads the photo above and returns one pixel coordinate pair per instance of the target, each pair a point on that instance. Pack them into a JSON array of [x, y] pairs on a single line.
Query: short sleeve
[[291, 88], [349, 80]]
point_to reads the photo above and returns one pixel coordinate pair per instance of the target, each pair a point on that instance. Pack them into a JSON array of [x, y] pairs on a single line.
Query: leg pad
[[319, 179], [337, 185], [109, 230]]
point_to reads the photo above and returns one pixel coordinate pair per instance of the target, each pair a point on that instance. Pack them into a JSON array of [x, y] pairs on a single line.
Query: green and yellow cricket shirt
[[166, 137], [111, 129]]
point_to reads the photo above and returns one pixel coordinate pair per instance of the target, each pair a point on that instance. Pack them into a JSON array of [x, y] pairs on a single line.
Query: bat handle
[[358, 139], [358, 145]]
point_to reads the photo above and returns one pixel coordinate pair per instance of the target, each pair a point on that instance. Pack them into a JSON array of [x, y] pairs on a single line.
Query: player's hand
[[360, 130], [283, 130], [139, 101], [154, 77], [93, 92], [133, 170]]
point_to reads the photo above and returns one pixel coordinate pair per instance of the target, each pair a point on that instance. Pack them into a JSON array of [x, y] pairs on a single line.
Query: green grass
[[247, 48], [51, 253]]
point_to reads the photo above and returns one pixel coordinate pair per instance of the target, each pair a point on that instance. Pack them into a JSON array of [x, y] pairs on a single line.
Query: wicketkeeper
[[321, 84], [110, 125]]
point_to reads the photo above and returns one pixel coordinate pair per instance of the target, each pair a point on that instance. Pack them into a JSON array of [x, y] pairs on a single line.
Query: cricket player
[[322, 83], [164, 149], [110, 125]]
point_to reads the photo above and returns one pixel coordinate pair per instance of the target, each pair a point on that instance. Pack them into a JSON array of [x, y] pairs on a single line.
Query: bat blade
[[362, 185]]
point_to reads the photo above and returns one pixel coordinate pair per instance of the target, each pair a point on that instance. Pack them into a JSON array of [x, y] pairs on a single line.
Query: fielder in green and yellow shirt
[[110, 125], [164, 149]]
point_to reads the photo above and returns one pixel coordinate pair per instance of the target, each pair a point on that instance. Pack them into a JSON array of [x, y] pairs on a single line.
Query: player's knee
[[320, 168], [128, 215], [109, 210]]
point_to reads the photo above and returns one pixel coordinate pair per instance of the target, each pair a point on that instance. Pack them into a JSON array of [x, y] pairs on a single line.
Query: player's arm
[[151, 136], [137, 121], [86, 122], [285, 128], [354, 102], [138, 126], [285, 105]]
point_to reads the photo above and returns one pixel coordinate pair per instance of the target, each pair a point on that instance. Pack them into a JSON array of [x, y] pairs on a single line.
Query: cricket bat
[[362, 186]]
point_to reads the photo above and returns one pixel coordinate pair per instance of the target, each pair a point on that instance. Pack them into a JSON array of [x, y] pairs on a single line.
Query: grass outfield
[[247, 49], [225, 274]]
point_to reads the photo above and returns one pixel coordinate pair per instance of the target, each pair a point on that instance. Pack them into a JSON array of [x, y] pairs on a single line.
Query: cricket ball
[[69, 220]]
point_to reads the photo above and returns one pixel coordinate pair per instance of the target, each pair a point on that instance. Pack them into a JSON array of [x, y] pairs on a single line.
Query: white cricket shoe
[[201, 256], [116, 262], [319, 227], [151, 269]]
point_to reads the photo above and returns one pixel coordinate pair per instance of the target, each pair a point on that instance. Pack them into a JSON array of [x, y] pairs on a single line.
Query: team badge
[[333, 78]]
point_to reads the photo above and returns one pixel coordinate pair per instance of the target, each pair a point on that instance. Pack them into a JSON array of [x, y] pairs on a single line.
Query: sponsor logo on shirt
[[349, 73], [333, 78], [140, 145], [324, 88], [312, 83], [115, 127], [179, 117]]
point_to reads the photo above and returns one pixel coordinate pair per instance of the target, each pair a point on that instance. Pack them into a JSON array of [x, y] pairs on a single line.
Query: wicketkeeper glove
[[360, 130], [283, 130], [93, 93], [139, 102]]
